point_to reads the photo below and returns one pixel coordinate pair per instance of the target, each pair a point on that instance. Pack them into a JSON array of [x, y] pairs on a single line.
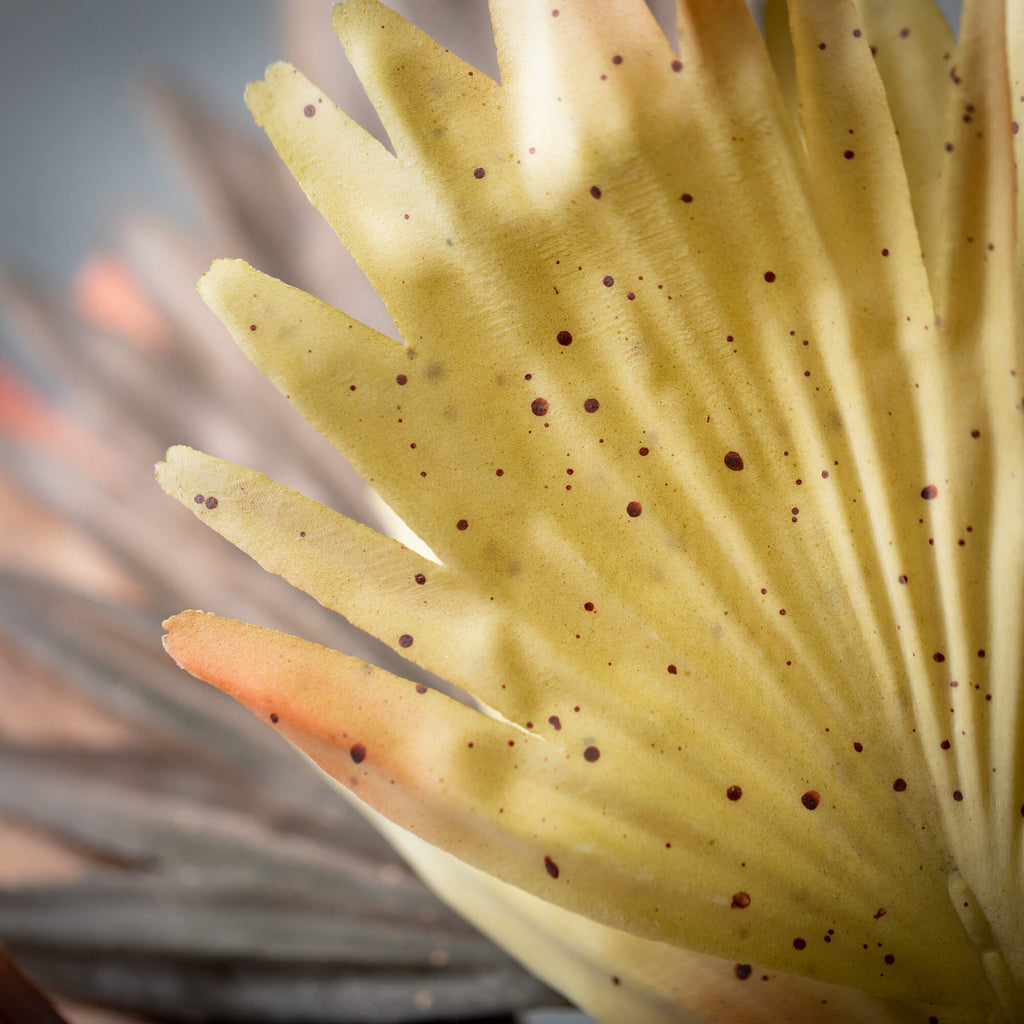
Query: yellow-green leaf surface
[[707, 404]]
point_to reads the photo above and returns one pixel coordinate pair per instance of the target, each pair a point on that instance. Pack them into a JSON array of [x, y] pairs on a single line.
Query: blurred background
[[160, 854]]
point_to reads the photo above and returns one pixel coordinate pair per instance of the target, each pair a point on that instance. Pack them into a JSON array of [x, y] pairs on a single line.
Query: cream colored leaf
[[724, 477]]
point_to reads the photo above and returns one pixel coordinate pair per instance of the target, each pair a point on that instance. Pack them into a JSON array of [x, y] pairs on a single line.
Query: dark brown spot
[[734, 461], [357, 752], [811, 799], [799, 944], [273, 717], [539, 406], [901, 579], [769, 276], [405, 640], [859, 747], [420, 688], [608, 280], [677, 65], [616, 59], [402, 379], [462, 524], [741, 900], [591, 405], [957, 795], [879, 913], [589, 606], [686, 197], [734, 793], [633, 509], [211, 502], [900, 785], [631, 296], [743, 971], [939, 657], [848, 154], [645, 451], [479, 173], [595, 191], [199, 499], [929, 492], [672, 670], [856, 33], [551, 867], [309, 110], [420, 578], [555, 722], [591, 754], [564, 338]]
